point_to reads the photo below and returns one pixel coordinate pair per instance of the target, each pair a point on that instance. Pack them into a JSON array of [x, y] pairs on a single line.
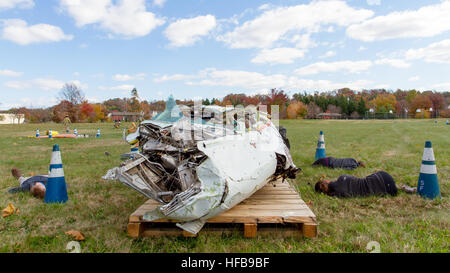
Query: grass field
[[100, 209]]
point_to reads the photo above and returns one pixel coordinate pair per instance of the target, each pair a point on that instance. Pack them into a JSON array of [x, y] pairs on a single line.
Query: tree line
[[342, 103]]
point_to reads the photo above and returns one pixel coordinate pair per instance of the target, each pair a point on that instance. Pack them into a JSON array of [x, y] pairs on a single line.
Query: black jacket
[[342, 163], [380, 183]]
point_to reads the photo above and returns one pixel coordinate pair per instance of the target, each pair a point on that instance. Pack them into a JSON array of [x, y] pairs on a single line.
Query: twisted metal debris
[[200, 161]]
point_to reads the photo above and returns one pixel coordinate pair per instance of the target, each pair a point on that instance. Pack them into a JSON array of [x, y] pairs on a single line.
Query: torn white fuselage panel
[[198, 168], [225, 180]]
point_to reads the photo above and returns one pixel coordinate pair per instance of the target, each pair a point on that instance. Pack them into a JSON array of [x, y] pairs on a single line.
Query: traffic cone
[[98, 133], [56, 191], [50, 133], [428, 185], [37, 133], [75, 132], [320, 151]]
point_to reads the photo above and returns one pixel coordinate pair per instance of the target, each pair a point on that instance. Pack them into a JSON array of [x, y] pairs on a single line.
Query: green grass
[[100, 209]]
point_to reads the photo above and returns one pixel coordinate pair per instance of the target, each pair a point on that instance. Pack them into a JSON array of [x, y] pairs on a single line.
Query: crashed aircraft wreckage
[[201, 161]]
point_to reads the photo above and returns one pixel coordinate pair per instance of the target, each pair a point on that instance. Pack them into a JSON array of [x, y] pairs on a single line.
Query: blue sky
[[209, 48]]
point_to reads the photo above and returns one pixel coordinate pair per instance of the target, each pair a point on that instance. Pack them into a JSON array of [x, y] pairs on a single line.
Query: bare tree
[[18, 114], [71, 96], [71, 93], [313, 110], [334, 109]]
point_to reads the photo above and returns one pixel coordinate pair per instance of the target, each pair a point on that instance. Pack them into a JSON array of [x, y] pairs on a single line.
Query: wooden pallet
[[275, 209]]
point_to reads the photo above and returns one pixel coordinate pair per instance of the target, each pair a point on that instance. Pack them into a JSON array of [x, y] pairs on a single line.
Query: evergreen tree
[[362, 107]]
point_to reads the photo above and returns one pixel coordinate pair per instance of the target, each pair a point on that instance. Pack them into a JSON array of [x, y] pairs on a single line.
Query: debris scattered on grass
[[77, 235], [9, 210]]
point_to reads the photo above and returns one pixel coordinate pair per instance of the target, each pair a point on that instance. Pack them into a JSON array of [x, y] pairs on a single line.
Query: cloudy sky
[[208, 48]]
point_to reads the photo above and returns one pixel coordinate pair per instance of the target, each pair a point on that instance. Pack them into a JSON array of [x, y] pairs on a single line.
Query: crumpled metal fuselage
[[198, 169]]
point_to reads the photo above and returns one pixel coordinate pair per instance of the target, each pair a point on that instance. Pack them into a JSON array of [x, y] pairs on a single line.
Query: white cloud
[[261, 82], [435, 53], [373, 2], [18, 31], [124, 87], [186, 32], [41, 102], [46, 84], [10, 73], [362, 48], [445, 86], [265, 6], [93, 100], [303, 41], [325, 85], [17, 84], [236, 78], [399, 63], [342, 66], [414, 79], [175, 77], [328, 54], [52, 84], [11, 4], [79, 84], [427, 21], [281, 55], [382, 86], [127, 18], [274, 24], [126, 77], [159, 3]]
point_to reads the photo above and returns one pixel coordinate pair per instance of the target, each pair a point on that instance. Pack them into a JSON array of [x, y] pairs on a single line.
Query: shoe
[[16, 173]]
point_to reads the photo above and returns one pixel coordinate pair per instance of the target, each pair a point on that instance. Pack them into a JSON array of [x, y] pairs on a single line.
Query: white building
[[12, 118]]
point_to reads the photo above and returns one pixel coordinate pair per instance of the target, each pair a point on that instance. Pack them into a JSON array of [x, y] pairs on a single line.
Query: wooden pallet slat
[[275, 204]]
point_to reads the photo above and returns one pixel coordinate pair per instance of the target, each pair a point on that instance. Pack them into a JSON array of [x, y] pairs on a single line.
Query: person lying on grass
[[342, 163], [378, 184], [36, 185]]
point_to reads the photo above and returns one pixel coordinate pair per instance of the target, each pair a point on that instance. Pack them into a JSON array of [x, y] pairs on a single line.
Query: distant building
[[126, 116], [12, 118]]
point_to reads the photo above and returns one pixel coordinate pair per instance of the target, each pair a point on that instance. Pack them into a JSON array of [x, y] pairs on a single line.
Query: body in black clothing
[[342, 163], [379, 183]]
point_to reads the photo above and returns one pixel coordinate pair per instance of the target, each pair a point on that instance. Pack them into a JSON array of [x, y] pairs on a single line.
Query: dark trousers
[[391, 188]]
